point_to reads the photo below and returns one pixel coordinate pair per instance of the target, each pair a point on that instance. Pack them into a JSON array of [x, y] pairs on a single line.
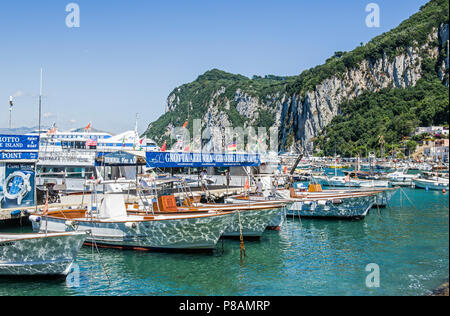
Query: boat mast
[[40, 106], [39, 138]]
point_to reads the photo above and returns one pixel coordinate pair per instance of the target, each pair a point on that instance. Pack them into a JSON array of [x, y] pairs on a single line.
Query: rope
[[285, 218], [243, 252], [378, 207], [94, 243], [407, 197]]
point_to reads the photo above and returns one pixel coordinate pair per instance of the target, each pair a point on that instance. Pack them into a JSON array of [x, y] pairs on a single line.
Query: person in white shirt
[[204, 176], [259, 188]]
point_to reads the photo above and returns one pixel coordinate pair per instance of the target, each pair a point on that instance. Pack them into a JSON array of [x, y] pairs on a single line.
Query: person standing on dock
[[203, 177], [259, 188], [228, 177]]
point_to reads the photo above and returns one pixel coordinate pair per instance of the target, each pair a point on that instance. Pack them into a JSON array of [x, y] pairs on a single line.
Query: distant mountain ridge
[[303, 106], [19, 130]]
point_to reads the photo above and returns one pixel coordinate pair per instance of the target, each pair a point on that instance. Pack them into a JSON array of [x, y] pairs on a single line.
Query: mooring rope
[[243, 253], [407, 197], [94, 244]]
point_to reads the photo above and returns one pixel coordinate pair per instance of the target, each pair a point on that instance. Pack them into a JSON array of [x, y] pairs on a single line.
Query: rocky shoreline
[[441, 291]]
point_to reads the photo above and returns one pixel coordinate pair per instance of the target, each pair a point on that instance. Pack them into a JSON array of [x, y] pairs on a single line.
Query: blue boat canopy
[[200, 160]]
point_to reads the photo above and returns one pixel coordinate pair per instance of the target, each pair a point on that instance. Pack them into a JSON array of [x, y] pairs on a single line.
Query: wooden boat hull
[[254, 223], [278, 218], [348, 208], [190, 233], [39, 255], [431, 185]]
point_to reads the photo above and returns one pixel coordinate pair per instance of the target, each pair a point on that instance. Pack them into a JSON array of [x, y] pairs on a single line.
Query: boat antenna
[[40, 106], [39, 135]]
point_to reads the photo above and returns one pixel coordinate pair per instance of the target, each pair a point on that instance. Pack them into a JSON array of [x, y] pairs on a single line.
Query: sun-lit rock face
[[224, 100]]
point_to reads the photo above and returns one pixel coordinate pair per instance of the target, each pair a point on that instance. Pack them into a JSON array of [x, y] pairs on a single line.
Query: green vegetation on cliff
[[412, 106], [385, 119]]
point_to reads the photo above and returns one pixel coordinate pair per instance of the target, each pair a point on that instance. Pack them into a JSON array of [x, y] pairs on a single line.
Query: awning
[[200, 160]]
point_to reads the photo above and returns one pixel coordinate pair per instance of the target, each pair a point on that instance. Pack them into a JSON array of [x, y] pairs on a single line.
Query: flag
[[46, 206], [164, 147], [11, 102], [186, 124], [123, 142], [89, 126], [232, 147], [52, 131], [247, 185], [188, 148]]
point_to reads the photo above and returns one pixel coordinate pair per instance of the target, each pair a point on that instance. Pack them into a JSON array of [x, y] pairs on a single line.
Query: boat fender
[[16, 213], [337, 201], [131, 225], [323, 203], [34, 218], [71, 224]]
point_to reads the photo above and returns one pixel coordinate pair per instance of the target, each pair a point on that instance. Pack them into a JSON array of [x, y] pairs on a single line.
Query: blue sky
[[127, 56]]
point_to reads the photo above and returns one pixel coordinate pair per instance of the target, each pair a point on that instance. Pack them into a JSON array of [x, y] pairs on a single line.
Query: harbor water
[[409, 241]]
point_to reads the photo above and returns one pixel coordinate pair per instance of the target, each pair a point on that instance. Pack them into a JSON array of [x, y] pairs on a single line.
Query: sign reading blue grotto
[[199, 160], [18, 142]]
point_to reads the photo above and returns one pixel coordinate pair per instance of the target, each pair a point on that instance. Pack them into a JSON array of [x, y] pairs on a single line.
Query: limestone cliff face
[[313, 112], [300, 112]]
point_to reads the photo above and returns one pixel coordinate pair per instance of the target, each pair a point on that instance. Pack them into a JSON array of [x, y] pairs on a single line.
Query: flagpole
[[39, 140], [10, 110], [40, 106]]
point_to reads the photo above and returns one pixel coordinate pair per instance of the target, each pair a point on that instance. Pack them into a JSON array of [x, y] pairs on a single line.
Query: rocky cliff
[[301, 106]]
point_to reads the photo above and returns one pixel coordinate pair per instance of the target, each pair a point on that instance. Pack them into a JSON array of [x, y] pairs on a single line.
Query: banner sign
[[18, 142], [198, 160], [119, 158], [17, 185], [18, 155]]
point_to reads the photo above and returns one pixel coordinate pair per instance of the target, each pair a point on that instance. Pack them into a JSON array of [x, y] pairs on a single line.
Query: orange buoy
[[443, 191]]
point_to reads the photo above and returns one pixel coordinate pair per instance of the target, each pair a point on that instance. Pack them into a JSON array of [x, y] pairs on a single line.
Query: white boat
[[112, 227], [436, 184], [67, 159], [347, 182], [340, 208], [39, 254], [253, 218], [401, 178]]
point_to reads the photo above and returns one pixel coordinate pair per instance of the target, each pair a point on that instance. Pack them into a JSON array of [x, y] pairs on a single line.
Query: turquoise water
[[311, 257]]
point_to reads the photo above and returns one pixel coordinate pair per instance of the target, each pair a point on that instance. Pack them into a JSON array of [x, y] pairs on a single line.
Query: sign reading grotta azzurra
[[197, 160], [18, 142]]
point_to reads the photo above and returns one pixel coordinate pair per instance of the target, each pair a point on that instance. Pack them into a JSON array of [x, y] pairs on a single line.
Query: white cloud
[[48, 115], [18, 94]]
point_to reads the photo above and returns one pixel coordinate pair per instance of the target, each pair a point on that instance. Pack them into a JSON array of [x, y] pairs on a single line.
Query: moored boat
[[254, 218], [428, 184], [39, 254], [401, 178], [112, 227]]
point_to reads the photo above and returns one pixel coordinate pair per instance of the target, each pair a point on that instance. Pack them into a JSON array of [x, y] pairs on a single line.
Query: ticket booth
[[18, 157]]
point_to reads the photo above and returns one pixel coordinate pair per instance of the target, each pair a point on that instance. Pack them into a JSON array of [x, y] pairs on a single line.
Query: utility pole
[[10, 110], [40, 107]]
